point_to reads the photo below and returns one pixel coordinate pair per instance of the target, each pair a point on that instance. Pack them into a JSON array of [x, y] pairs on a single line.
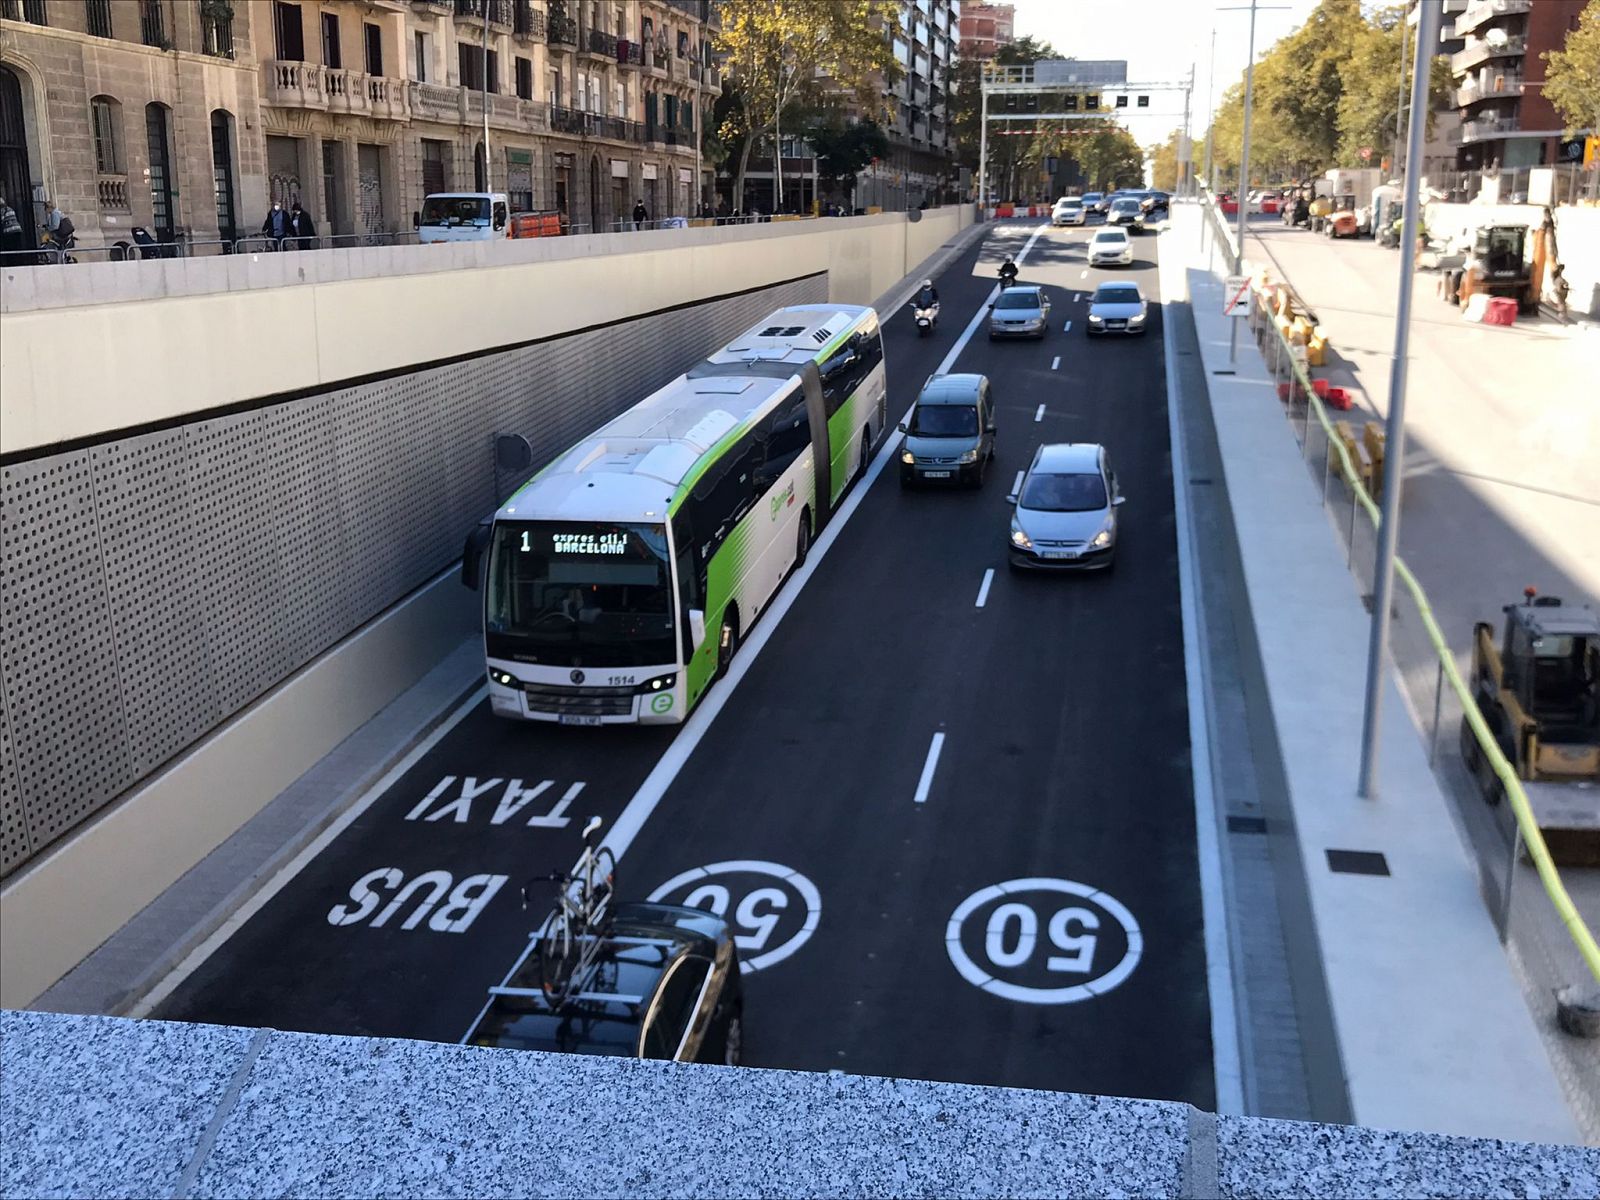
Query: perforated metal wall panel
[[154, 585]]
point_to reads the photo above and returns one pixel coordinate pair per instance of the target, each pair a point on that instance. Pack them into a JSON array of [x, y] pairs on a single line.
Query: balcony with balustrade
[[598, 45], [331, 89], [595, 125], [112, 191], [1480, 12], [527, 22], [1500, 87], [1489, 126], [498, 12], [560, 29], [1482, 50], [629, 54]]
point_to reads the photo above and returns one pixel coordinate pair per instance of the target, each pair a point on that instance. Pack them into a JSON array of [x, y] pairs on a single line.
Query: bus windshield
[[580, 594], [442, 211]]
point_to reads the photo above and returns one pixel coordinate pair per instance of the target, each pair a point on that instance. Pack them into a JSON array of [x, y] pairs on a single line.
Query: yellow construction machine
[[1539, 693]]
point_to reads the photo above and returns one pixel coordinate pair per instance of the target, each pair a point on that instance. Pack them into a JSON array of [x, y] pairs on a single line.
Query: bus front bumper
[[592, 705]]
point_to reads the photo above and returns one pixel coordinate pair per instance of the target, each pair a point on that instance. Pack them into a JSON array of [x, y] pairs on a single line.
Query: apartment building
[[921, 163], [1499, 74], [130, 113], [985, 28], [588, 107]]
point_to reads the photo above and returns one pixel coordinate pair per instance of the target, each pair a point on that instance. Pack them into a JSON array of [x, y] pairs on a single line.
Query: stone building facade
[[129, 113], [189, 117]]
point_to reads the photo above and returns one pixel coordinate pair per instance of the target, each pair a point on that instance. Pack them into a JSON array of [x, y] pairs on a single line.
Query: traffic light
[[1072, 104], [1144, 101], [1122, 101], [1092, 103]]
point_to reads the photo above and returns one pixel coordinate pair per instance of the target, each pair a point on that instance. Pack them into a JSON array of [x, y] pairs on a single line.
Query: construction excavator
[[1505, 260]]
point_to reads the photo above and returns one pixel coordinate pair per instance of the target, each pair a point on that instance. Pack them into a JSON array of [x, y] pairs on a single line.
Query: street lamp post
[[1394, 451]]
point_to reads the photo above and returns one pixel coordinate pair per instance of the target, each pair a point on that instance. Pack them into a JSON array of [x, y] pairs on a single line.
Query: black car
[[1155, 199], [664, 984]]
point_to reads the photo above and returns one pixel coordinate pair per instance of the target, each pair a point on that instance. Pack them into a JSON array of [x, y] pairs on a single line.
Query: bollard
[[1327, 466], [1438, 695], [1511, 878]]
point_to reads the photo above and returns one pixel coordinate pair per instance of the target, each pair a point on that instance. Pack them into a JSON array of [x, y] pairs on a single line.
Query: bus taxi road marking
[[1055, 363], [758, 910], [637, 811], [1038, 416], [983, 589], [1016, 484], [931, 765], [197, 957], [1069, 947]]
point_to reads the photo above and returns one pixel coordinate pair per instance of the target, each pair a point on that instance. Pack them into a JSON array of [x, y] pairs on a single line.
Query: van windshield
[[447, 211], [945, 420]]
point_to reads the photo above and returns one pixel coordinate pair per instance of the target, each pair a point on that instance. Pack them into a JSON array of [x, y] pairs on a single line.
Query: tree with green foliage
[[1572, 75], [1010, 154], [1107, 154], [843, 149], [1164, 162], [1372, 97], [792, 57]]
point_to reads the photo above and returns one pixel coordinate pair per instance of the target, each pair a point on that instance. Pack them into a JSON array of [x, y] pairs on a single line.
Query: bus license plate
[[568, 719], [936, 474]]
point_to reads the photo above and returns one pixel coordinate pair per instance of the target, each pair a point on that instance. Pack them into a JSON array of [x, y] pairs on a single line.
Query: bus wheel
[[727, 641], [802, 541]]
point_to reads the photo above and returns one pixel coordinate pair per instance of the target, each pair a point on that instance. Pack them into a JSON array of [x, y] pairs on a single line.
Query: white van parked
[[463, 217]]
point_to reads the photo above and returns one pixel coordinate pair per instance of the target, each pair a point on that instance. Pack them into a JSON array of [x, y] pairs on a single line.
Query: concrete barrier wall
[[81, 359]]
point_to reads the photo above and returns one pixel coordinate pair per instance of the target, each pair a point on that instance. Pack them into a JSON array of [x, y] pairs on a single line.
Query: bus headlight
[[661, 683], [503, 678]]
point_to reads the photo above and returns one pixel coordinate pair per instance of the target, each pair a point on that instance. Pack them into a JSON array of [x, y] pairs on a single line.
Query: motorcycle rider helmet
[[927, 283]]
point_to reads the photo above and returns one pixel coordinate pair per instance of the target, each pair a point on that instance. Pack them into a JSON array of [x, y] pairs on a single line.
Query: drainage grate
[[1247, 824], [1357, 862]]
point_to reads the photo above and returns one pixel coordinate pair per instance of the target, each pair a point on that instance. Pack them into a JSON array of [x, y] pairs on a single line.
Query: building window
[[525, 81], [105, 116], [153, 25], [683, 44], [289, 40], [419, 68], [470, 61], [494, 71], [99, 18], [31, 11], [331, 53], [374, 39], [557, 96], [216, 28]]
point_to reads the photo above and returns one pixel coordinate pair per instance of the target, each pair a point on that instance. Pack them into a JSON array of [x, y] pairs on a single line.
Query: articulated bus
[[619, 579]]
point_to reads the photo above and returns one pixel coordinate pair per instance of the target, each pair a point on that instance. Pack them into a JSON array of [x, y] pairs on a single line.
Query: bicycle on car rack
[[567, 944]]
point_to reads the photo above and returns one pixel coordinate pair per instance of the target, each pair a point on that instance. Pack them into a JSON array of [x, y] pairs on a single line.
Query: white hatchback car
[[1110, 248]]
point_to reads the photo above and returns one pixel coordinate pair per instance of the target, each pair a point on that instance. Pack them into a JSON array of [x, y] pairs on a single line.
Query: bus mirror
[[697, 627], [472, 553]]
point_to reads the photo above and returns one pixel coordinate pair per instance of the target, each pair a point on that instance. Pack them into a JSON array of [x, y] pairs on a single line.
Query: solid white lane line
[[1067, 328], [1016, 485], [1227, 1013], [1039, 416], [655, 785], [983, 589], [197, 957], [1055, 364], [929, 767]]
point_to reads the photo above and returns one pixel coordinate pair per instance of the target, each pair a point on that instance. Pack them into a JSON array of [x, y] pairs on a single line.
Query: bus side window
[[788, 434], [841, 375]]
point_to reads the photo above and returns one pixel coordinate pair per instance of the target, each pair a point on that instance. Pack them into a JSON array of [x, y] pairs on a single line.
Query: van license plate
[[567, 719], [936, 474]]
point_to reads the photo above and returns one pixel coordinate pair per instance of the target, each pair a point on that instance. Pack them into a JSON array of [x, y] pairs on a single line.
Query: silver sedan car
[[1066, 511], [1117, 308], [1022, 311]]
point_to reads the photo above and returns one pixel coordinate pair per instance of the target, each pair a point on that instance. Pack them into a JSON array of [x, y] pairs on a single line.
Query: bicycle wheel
[[556, 954]]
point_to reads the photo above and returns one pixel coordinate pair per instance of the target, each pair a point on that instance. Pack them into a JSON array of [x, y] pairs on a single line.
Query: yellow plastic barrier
[[1349, 452]]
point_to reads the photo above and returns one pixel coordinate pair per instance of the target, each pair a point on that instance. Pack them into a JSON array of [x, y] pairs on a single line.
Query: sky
[[1161, 40]]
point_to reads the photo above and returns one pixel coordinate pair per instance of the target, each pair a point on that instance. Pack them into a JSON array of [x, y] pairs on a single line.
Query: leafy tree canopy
[[1572, 75]]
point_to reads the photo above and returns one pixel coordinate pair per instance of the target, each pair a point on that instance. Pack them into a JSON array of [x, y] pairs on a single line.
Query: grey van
[[950, 436]]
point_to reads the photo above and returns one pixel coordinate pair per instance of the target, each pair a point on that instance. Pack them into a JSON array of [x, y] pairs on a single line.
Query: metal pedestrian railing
[[1314, 431]]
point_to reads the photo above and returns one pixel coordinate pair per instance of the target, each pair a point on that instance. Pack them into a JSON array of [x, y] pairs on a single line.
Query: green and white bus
[[620, 578]]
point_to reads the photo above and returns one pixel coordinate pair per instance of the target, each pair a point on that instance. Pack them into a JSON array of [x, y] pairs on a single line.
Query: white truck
[[463, 217]]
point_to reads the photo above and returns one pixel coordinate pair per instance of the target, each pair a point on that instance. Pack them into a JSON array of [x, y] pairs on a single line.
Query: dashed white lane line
[[1083, 274], [929, 767], [1016, 484], [1039, 416], [1055, 364], [1077, 296], [983, 589], [1067, 328]]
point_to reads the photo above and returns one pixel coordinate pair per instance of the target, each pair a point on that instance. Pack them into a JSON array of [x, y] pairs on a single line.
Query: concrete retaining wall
[[80, 359]]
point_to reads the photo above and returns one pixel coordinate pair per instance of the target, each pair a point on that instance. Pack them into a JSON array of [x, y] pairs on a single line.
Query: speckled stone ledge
[[100, 1106]]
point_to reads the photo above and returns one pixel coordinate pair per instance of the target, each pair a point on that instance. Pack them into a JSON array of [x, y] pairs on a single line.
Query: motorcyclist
[[1008, 272], [927, 295]]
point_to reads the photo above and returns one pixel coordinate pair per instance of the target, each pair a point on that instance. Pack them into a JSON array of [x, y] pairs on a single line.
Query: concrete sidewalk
[[1430, 1026], [1502, 491]]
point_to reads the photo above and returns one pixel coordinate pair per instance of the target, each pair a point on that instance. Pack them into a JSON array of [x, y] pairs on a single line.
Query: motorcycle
[[1008, 278], [926, 317]]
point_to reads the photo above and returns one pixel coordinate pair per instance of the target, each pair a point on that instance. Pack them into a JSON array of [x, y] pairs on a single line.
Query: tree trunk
[[738, 178]]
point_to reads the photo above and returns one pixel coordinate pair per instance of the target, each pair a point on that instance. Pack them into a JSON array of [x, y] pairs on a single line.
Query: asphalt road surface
[[957, 839]]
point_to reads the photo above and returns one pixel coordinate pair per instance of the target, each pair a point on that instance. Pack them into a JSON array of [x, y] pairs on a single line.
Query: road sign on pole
[[1237, 303]]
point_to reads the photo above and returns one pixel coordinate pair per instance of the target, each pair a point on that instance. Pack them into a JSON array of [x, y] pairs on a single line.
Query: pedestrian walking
[[276, 227], [10, 227], [302, 228], [640, 214]]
